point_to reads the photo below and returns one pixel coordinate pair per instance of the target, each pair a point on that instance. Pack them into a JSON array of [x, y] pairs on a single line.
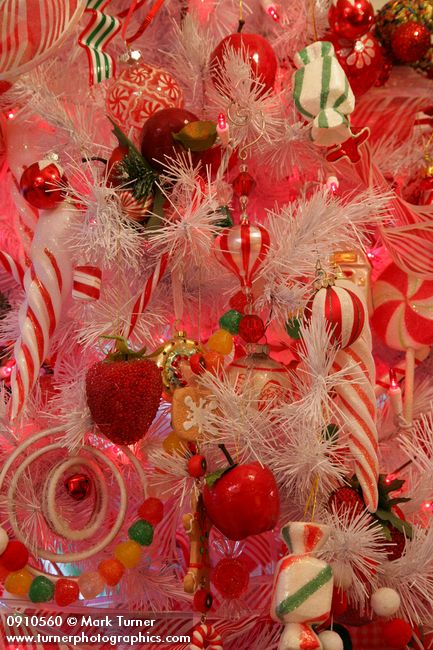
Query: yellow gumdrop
[[18, 582], [128, 553], [221, 341], [172, 444]]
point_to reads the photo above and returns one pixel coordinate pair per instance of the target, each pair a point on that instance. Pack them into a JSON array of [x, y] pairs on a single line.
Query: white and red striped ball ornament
[[342, 310], [242, 249]]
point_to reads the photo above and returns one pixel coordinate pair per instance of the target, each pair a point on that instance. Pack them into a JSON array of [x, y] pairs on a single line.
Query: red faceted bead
[[15, 557], [197, 466], [243, 184], [231, 577], [202, 601], [78, 486], [239, 301], [251, 328], [66, 592], [152, 510]]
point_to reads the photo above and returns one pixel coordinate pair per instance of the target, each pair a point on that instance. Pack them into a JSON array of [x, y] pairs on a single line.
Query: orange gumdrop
[[112, 571]]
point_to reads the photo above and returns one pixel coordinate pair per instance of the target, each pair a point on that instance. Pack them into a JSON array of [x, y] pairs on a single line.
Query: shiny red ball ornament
[[362, 61], [197, 466], [251, 328], [202, 601], [15, 557], [410, 42], [255, 49], [350, 19], [231, 577], [66, 592], [41, 185], [157, 142], [152, 510], [78, 486], [396, 633]]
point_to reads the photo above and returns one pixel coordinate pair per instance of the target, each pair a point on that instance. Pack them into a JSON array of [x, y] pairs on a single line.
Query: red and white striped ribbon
[[32, 29], [410, 240], [205, 636], [12, 267], [86, 283], [242, 250], [145, 296]]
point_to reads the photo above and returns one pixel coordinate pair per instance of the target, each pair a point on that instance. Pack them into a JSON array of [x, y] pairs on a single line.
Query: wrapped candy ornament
[[302, 590], [322, 93]]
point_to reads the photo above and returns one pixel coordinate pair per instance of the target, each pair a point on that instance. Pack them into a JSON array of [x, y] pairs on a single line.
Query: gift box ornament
[[302, 590], [322, 93]]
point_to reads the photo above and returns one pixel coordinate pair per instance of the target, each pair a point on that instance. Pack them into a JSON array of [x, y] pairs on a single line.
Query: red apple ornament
[[256, 51], [243, 502], [157, 140], [349, 19]]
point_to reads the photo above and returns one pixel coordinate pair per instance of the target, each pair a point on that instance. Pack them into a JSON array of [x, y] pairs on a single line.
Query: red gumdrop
[[15, 556], [66, 592], [231, 577], [396, 633], [251, 328], [152, 510]]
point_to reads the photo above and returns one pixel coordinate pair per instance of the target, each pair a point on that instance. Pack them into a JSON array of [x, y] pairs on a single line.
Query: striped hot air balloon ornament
[[242, 249]]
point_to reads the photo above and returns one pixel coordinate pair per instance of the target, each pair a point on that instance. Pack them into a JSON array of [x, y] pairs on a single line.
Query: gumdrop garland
[[302, 590], [329, 103], [20, 580]]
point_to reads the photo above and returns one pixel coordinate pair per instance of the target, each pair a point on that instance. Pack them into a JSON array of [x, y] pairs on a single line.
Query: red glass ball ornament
[[231, 578], [255, 49], [396, 633], [41, 185], [66, 592], [78, 486], [152, 510], [202, 601], [197, 466], [251, 328], [349, 19], [361, 60], [15, 557], [157, 141], [410, 42], [339, 601]]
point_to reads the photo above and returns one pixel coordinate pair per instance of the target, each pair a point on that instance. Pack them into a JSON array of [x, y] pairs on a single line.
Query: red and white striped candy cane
[[12, 267], [205, 636], [86, 283], [145, 296], [357, 402], [46, 283]]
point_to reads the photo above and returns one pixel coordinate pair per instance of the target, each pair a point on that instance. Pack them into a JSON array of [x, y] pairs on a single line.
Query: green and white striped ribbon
[[98, 33]]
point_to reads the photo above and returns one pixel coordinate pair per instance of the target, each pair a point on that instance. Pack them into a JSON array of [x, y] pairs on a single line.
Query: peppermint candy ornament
[[242, 249], [140, 91], [403, 309], [205, 636], [342, 310]]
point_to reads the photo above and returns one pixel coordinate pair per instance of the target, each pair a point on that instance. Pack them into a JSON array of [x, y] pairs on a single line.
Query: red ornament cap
[[152, 510], [231, 577], [251, 328]]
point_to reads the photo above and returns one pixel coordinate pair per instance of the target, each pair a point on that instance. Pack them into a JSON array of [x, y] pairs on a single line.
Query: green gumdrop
[[230, 321], [142, 532], [41, 590]]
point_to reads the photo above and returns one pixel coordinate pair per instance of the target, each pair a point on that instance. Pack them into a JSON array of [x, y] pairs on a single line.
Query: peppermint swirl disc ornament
[[138, 92], [403, 309], [342, 310], [242, 249]]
